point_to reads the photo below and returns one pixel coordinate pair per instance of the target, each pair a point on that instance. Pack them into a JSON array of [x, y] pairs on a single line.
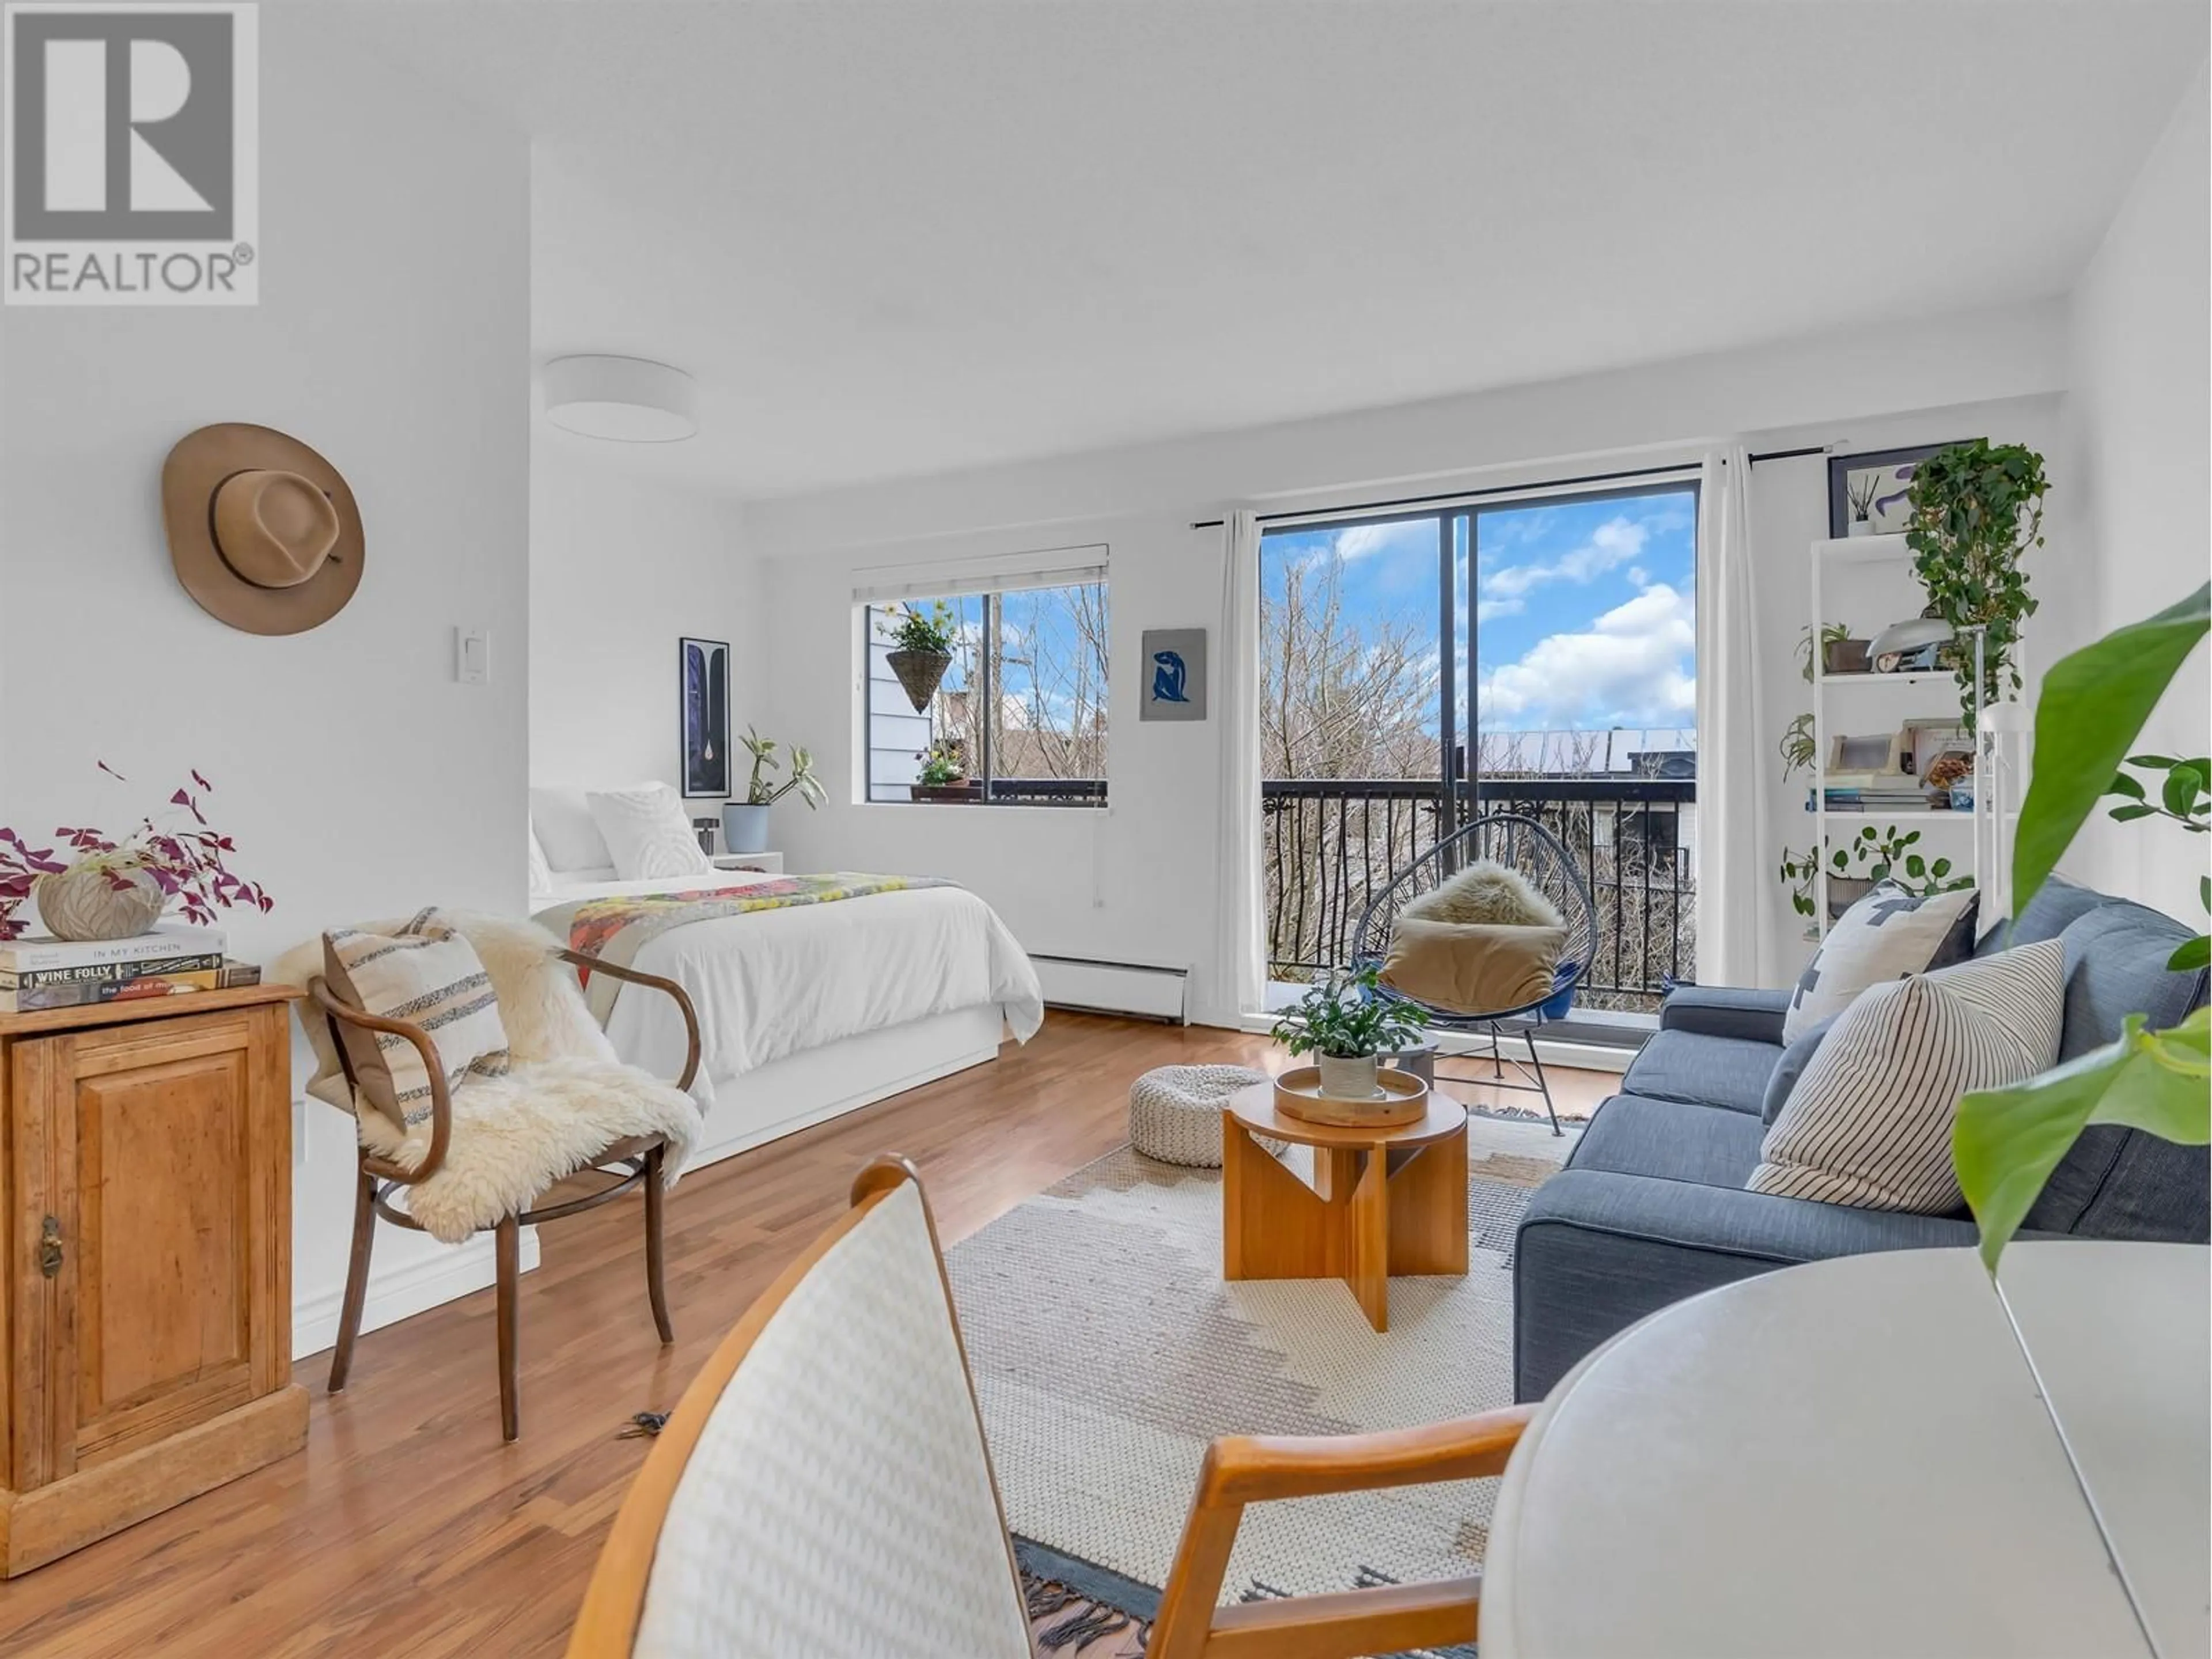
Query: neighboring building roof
[[1648, 751]]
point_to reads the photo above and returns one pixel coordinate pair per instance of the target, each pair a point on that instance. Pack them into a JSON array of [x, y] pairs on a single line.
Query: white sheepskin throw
[[1486, 891], [565, 1100]]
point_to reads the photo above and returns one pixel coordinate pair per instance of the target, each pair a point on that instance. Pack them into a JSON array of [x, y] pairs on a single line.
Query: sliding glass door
[[1535, 652]]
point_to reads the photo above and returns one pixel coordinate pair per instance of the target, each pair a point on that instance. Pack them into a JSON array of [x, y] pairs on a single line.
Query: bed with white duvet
[[817, 1009]]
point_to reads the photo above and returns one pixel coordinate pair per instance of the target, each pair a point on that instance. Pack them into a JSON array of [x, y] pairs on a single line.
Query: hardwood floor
[[407, 1527]]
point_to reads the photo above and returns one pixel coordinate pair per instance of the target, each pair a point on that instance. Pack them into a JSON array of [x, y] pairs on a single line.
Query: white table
[[767, 863], [1856, 1458]]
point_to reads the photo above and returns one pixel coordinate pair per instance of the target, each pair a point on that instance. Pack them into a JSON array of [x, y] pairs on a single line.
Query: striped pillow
[[428, 976], [1870, 1122]]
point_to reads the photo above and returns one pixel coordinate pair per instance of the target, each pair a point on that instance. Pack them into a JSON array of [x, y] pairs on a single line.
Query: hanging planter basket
[[919, 672]]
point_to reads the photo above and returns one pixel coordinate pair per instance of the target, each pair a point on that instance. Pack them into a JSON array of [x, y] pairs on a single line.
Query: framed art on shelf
[[703, 709], [1869, 494]]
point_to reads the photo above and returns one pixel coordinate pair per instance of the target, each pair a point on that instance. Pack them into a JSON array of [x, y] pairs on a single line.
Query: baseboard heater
[[1144, 990]]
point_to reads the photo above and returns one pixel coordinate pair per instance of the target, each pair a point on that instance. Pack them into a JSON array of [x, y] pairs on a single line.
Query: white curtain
[[1241, 984], [1733, 848]]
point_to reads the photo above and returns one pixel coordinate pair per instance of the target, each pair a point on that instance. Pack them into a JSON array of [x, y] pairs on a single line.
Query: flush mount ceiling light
[[627, 400]]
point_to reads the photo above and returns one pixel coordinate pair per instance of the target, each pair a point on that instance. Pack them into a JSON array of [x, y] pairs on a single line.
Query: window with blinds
[[1014, 711]]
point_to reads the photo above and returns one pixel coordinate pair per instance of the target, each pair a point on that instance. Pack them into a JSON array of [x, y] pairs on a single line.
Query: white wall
[[357, 777], [620, 568], [1137, 881], [2142, 440]]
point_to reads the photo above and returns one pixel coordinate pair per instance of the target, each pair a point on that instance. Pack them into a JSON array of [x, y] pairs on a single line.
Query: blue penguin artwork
[[1168, 677]]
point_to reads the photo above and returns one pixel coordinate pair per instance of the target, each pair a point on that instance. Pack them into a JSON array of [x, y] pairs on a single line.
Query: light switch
[[473, 656]]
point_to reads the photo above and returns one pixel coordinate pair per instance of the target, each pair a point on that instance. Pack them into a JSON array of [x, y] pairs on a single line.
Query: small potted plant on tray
[[744, 823], [1347, 1028]]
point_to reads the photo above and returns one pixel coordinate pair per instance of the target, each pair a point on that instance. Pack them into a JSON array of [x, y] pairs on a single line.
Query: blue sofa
[[1652, 1207]]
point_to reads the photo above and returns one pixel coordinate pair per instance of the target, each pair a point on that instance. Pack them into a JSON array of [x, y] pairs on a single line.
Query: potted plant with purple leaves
[[90, 885]]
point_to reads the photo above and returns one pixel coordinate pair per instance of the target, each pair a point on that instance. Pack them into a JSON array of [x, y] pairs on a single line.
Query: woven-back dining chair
[[1520, 844], [824, 1488]]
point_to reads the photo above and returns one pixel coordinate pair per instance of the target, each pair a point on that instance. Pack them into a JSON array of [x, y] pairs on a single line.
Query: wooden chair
[[630, 1163], [824, 1488]]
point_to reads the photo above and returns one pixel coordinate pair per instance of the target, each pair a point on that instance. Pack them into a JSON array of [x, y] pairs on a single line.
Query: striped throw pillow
[[428, 976], [1870, 1122]]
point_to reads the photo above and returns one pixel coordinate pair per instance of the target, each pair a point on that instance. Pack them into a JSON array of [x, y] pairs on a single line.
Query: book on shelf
[[164, 942], [1873, 800], [32, 979], [236, 973]]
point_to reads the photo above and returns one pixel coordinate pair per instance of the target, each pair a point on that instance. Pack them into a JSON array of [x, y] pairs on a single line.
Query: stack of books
[[173, 960], [1874, 791]]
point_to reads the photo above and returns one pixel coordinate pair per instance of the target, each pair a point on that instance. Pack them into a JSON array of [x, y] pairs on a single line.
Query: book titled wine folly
[[33, 979], [90, 993]]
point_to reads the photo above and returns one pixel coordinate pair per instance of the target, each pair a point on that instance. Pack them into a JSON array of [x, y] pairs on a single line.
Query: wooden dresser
[[146, 1324]]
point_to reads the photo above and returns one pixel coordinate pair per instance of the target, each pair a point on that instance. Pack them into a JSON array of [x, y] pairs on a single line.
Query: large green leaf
[[2094, 703], [2005, 1142]]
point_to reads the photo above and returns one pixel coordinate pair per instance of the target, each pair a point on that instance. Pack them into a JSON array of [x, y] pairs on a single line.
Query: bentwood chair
[[1519, 843], [608, 1164], [824, 1488]]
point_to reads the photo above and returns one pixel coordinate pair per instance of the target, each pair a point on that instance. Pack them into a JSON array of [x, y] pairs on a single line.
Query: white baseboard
[[1147, 990], [402, 1291]]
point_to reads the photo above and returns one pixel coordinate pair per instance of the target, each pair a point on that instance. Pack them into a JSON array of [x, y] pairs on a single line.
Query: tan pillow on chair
[[1472, 968], [428, 976]]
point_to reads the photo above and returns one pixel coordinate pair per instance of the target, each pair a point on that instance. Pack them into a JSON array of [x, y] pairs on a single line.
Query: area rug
[[1107, 1351]]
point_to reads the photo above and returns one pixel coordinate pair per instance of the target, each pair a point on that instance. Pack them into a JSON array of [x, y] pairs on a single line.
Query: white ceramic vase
[[1349, 1079], [82, 903]]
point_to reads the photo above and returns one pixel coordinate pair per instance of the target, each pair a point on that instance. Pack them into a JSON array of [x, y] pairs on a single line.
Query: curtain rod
[[1361, 508]]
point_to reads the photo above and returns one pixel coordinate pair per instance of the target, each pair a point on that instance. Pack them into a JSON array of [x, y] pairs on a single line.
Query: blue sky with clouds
[[1585, 609]]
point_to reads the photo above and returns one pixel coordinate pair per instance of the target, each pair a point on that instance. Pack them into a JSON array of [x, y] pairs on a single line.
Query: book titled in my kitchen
[[164, 942]]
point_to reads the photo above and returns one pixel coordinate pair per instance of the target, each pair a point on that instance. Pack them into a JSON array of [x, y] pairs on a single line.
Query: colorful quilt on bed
[[616, 929]]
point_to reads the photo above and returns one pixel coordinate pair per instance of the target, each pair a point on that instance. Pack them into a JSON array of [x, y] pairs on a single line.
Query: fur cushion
[[565, 1100], [516, 1134], [1488, 891]]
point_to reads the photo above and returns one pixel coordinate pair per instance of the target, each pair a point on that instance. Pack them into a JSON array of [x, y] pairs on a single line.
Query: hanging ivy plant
[[1975, 509]]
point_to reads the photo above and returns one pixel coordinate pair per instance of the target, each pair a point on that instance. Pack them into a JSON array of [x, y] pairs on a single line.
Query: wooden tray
[[1404, 1099]]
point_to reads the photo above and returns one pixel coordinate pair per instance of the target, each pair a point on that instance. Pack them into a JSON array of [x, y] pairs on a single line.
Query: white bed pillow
[[647, 834], [1885, 936], [541, 869], [560, 819]]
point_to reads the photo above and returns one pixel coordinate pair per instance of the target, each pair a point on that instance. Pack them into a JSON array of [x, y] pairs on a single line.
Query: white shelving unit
[[1986, 828]]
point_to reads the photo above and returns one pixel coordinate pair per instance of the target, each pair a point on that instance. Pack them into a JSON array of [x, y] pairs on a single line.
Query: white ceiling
[[903, 238]]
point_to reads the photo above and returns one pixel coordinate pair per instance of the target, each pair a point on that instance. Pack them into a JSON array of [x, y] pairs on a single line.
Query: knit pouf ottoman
[[1174, 1112]]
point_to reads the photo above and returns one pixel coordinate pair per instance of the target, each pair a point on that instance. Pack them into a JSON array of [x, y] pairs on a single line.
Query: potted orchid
[[91, 885]]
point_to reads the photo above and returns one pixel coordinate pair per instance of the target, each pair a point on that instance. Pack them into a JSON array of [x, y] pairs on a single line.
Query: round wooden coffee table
[[1383, 1201]]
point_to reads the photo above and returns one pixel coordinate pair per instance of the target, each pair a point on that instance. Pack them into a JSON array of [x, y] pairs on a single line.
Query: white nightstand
[[769, 864]]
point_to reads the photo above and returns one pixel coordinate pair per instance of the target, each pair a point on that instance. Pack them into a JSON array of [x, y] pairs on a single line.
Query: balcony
[[1330, 845]]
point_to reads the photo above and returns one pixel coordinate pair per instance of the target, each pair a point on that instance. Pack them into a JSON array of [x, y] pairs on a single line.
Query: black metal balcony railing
[[1330, 845], [1048, 791]]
